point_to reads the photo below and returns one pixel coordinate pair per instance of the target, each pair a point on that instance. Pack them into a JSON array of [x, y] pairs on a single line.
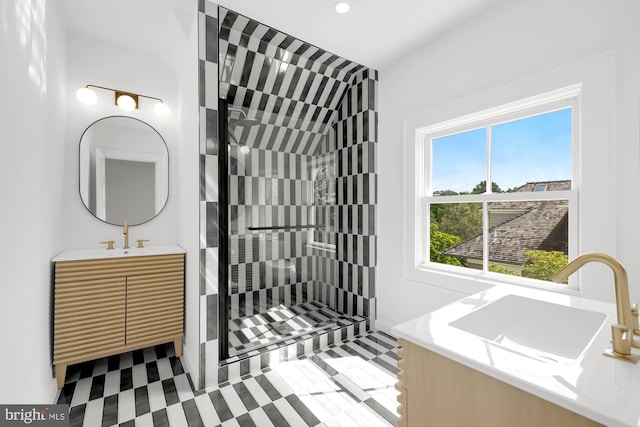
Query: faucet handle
[[141, 242], [621, 340], [634, 319], [109, 244]]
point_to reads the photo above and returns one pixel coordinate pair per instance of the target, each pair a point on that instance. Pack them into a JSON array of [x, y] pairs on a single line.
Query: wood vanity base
[[177, 344], [110, 306], [436, 391]]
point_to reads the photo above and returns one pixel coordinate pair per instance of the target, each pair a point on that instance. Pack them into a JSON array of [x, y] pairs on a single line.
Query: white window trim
[[543, 103], [596, 159]]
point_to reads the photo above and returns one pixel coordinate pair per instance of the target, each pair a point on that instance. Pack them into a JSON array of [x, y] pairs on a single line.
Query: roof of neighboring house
[[543, 225]]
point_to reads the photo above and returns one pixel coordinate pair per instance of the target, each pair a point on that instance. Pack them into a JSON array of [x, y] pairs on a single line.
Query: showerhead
[[246, 122], [241, 119]]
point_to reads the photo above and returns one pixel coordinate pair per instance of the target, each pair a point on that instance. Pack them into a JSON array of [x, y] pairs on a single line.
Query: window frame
[[568, 97], [318, 163]]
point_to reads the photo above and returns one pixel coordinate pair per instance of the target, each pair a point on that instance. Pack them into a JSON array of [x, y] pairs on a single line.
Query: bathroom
[[43, 122]]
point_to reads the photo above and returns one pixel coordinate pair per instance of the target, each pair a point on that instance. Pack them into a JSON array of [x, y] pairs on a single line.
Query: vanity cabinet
[[437, 391], [108, 306]]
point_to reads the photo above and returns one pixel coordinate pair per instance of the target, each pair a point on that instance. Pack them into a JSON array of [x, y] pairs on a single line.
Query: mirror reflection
[[124, 165]]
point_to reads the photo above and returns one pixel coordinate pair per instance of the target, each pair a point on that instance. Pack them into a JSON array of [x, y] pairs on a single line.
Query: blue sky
[[536, 148]]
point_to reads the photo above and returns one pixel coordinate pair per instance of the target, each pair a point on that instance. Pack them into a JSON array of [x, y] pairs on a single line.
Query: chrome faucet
[[623, 331], [125, 231]]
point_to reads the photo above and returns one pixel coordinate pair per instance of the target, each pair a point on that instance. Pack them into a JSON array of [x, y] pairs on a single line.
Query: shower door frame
[[223, 229]]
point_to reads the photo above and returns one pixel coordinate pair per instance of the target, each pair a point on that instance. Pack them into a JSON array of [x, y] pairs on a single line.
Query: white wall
[[189, 188], [42, 214], [94, 61], [512, 42], [32, 119], [98, 62]]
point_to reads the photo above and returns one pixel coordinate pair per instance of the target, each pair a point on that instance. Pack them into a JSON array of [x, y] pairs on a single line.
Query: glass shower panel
[[301, 187], [281, 204]]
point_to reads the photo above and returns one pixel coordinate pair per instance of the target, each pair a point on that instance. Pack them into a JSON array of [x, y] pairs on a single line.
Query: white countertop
[[86, 254], [601, 388]]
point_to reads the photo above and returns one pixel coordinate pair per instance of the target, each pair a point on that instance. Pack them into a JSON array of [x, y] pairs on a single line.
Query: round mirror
[[124, 170]]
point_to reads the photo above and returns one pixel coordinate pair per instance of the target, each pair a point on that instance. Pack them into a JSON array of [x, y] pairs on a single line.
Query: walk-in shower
[[297, 220]]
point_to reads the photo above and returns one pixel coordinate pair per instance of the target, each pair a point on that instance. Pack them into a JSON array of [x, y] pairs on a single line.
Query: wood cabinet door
[[89, 317], [155, 308]]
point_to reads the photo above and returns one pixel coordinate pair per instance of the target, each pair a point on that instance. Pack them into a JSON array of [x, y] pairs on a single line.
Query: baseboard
[[54, 392], [188, 367], [384, 327]]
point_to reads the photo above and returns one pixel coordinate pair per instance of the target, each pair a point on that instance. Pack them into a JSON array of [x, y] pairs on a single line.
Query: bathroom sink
[[83, 254], [119, 252], [536, 328]]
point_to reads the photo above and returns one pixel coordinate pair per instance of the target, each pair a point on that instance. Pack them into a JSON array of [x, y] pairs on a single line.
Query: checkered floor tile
[[282, 323], [347, 384]]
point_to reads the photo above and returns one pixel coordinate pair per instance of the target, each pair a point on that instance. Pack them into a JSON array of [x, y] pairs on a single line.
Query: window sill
[[471, 282]]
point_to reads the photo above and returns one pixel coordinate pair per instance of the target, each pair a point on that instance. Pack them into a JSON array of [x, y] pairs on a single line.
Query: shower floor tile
[[282, 323], [350, 383]]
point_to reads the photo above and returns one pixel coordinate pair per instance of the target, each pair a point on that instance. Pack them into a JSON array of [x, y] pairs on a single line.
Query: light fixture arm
[[122, 92], [126, 100]]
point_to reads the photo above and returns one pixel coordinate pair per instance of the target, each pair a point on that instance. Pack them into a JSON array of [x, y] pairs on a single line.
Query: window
[[323, 212], [524, 224]]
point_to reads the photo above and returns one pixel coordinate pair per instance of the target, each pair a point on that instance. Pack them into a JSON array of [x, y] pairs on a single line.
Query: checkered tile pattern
[[209, 194], [304, 345], [351, 383], [266, 269], [282, 323], [356, 140], [292, 87], [313, 108]]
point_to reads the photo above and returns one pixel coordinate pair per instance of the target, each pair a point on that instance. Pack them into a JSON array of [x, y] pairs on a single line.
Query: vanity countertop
[[87, 254], [601, 388]]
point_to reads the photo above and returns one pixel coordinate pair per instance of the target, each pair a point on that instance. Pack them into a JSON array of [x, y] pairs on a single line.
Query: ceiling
[[374, 33]]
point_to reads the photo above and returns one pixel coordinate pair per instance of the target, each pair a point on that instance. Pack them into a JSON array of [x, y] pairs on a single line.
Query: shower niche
[[297, 133]]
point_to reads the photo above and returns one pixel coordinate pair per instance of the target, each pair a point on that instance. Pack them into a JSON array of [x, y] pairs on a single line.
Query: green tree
[[438, 211], [445, 193], [498, 268], [441, 242], [543, 265], [481, 187], [461, 219]]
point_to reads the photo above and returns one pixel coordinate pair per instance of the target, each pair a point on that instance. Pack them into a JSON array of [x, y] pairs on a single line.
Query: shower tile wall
[[209, 150], [294, 89], [346, 280], [356, 139], [268, 267], [308, 107]]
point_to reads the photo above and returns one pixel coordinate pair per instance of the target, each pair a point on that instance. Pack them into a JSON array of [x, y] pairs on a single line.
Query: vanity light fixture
[[161, 109], [128, 101], [342, 7], [86, 96]]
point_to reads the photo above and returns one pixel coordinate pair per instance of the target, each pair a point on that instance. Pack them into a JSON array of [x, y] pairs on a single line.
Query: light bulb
[[342, 7], [126, 102], [161, 109], [244, 149], [86, 96]]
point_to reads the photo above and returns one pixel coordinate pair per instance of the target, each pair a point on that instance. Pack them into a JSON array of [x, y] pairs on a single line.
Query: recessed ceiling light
[[342, 7]]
